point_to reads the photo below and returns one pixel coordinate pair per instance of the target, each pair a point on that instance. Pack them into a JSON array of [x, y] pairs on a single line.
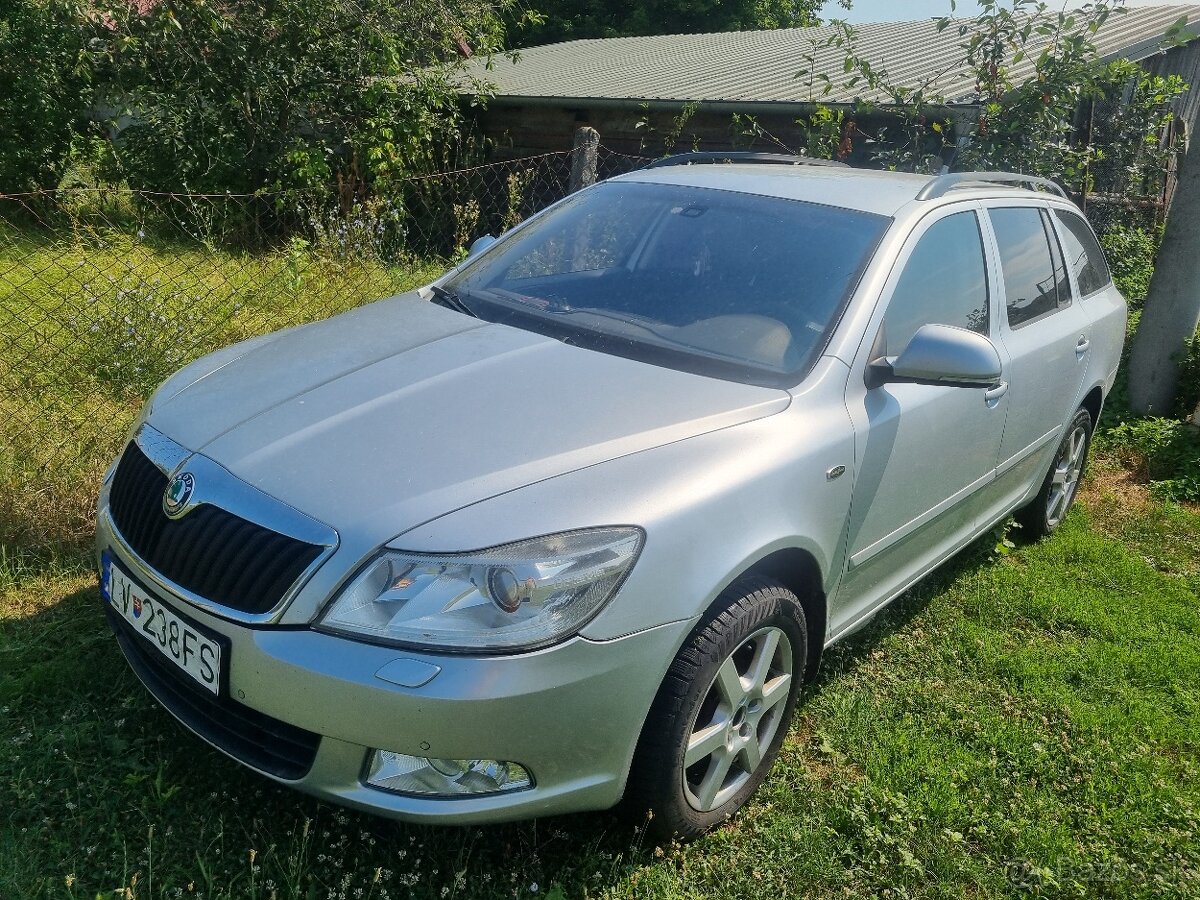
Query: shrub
[[1167, 450], [1187, 396], [1130, 253], [294, 97]]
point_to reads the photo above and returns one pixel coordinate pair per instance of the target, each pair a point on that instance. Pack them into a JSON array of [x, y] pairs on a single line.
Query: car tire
[[1049, 507], [722, 711]]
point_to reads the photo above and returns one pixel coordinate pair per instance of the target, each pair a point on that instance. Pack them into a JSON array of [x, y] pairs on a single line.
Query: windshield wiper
[[625, 319], [451, 300]]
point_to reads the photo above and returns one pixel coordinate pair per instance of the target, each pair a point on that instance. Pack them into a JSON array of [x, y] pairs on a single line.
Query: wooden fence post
[[583, 158]]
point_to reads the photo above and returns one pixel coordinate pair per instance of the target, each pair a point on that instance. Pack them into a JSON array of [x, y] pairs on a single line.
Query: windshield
[[733, 285]]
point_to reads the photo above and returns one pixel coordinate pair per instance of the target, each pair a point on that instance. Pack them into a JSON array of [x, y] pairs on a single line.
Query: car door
[[1047, 337], [1098, 297], [923, 451]]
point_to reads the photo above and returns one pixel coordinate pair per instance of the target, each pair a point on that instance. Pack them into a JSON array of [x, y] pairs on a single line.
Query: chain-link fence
[[105, 291]]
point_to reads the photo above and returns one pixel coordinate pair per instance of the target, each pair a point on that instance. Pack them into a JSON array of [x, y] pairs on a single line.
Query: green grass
[[1019, 724], [92, 319]]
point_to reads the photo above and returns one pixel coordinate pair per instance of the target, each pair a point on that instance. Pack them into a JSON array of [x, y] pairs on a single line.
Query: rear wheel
[[722, 711], [1049, 508]]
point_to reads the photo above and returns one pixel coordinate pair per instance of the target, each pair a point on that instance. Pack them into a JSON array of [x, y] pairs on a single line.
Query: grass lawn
[[1020, 724]]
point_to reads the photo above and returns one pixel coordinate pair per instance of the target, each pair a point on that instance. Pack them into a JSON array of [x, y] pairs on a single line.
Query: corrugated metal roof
[[762, 66]]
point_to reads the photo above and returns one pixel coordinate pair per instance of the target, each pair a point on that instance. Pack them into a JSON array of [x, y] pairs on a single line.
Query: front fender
[[711, 506]]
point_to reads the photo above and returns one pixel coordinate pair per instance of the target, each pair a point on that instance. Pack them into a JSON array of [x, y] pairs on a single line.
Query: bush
[[294, 97], [44, 90], [1130, 253], [1167, 451], [1187, 396]]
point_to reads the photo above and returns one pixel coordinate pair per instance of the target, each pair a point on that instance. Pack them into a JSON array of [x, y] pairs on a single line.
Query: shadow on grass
[[100, 783]]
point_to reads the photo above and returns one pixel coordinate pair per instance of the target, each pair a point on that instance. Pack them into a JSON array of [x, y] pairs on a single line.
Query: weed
[[1167, 451], [1187, 396], [1130, 253]]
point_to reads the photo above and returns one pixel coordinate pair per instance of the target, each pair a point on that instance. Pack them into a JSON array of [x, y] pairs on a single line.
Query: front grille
[[255, 739], [211, 552]]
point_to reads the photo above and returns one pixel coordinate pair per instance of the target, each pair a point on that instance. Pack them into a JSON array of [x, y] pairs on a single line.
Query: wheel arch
[[798, 571], [1094, 404]]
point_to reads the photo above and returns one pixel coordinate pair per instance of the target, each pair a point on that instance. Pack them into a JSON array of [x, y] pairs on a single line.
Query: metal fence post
[[583, 158]]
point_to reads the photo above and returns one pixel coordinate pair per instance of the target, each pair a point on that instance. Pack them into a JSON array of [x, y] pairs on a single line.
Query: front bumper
[[571, 714]]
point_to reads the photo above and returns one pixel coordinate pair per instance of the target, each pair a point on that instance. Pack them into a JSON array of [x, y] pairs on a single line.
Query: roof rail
[[944, 184], [741, 156]]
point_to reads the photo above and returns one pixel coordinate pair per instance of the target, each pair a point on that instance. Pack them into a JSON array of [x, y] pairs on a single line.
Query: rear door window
[[1084, 256], [1035, 282]]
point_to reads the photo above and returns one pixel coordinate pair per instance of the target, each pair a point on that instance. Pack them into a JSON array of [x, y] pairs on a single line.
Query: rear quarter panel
[[1109, 314]]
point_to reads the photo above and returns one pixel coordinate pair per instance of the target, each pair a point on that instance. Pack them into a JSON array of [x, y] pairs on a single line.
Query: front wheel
[[1049, 508], [722, 711]]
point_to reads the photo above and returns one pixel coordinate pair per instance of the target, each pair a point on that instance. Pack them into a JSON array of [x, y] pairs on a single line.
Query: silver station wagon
[[575, 522]]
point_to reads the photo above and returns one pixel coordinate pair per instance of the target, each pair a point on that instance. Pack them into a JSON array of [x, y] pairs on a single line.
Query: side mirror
[[480, 244], [941, 354]]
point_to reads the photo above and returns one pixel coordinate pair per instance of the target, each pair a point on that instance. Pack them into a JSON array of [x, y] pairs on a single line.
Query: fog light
[[444, 777]]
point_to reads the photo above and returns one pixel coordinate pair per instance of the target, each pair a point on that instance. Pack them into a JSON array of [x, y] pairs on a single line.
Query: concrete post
[[583, 158], [1173, 302]]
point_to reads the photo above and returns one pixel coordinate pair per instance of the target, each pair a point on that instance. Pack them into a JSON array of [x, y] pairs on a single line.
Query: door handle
[[992, 394], [1082, 346]]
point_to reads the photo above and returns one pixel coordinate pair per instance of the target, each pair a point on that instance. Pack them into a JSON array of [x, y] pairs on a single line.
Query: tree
[[568, 20], [44, 90], [1022, 122], [286, 95]]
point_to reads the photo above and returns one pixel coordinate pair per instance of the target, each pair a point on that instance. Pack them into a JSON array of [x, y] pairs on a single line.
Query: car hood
[[385, 417]]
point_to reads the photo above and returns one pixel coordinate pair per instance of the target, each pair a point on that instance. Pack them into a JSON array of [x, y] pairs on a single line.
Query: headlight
[[512, 597]]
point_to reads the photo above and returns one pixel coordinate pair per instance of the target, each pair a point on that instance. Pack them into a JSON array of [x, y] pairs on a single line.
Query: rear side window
[[1084, 255], [944, 283], [1032, 281]]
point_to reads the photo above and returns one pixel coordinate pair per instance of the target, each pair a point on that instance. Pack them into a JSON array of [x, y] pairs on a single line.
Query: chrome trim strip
[[160, 449], [218, 487]]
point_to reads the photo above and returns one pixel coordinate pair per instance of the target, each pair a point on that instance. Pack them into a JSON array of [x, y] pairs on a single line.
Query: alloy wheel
[[1065, 479], [738, 719]]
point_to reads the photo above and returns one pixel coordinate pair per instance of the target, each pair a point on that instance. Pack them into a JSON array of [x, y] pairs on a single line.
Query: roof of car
[[882, 193]]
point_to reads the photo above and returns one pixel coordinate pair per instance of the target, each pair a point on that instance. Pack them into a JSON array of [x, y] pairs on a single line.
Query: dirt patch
[[805, 750], [1114, 492]]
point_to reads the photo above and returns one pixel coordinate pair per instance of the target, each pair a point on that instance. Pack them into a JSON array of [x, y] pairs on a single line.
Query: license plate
[[159, 625]]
